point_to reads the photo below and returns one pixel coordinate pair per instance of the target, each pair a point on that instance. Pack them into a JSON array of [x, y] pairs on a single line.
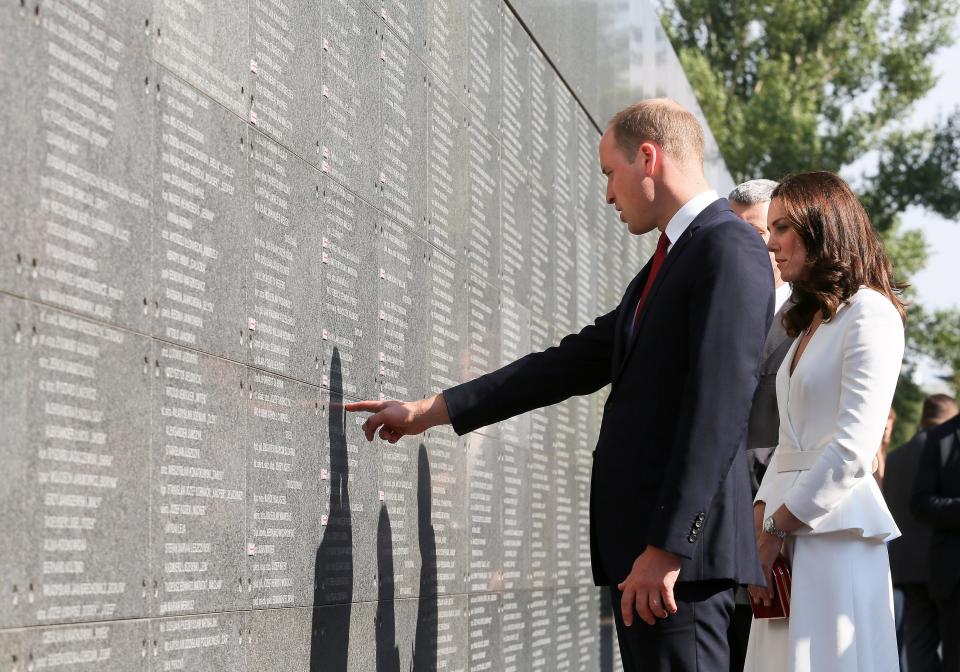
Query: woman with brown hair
[[819, 504]]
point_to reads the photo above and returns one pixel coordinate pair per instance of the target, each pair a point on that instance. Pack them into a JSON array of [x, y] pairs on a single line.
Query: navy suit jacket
[[669, 468], [936, 501]]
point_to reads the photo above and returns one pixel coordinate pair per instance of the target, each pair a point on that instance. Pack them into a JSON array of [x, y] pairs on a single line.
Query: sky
[[938, 285]]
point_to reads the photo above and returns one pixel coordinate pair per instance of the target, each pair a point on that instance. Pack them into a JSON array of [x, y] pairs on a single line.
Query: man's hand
[[396, 419], [649, 586]]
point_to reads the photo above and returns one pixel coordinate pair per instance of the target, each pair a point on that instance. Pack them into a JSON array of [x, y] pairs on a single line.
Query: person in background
[[910, 554], [821, 507], [750, 201], [936, 502]]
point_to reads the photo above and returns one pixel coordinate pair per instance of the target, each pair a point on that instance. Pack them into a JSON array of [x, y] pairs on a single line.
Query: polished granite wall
[[220, 220]]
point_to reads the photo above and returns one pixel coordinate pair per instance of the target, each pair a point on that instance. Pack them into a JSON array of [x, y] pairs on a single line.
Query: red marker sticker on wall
[[324, 334], [326, 44], [324, 166], [324, 380], [383, 357], [383, 496], [325, 91], [253, 66], [323, 474], [325, 152], [253, 117], [325, 243], [251, 549], [324, 519], [325, 258], [252, 323], [383, 178], [383, 315], [383, 274]]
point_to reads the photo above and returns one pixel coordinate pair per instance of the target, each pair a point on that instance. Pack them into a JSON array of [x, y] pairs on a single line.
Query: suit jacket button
[[692, 538], [698, 524], [701, 516]]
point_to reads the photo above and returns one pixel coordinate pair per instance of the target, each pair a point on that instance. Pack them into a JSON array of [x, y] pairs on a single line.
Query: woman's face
[[785, 245]]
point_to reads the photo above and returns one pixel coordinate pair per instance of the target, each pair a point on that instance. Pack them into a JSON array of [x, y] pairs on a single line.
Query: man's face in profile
[[756, 216]]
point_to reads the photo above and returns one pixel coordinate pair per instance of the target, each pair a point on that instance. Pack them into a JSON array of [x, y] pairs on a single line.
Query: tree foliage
[[793, 85]]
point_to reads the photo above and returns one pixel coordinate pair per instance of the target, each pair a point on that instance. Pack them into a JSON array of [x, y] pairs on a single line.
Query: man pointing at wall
[[670, 507]]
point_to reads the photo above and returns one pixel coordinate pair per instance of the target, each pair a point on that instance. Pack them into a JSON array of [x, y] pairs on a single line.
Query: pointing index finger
[[365, 406]]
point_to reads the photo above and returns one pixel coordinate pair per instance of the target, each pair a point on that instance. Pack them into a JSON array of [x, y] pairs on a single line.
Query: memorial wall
[[222, 219]]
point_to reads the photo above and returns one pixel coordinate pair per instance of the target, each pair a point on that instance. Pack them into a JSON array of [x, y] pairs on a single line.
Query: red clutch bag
[[780, 605]]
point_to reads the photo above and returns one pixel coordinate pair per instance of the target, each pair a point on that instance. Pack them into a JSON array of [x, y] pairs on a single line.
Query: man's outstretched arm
[[579, 364]]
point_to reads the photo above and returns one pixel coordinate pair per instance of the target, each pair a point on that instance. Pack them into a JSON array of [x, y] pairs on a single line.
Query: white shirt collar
[[783, 293], [685, 215]]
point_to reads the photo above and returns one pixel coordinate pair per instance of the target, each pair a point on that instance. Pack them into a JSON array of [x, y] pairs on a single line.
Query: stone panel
[[88, 390], [484, 506], [514, 632], [447, 44], [350, 105], [483, 210], [448, 151], [402, 286], [404, 148], [541, 175], [198, 483], [347, 320], [122, 646], [484, 632], [281, 639], [409, 20], [283, 281], [205, 643], [565, 623], [564, 446], [398, 529], [198, 261], [444, 543], [515, 238], [483, 56], [447, 319], [514, 518], [285, 448], [207, 46], [285, 74], [85, 167], [542, 630]]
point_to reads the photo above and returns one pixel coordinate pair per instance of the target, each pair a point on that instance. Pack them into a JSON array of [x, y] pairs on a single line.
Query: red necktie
[[658, 258]]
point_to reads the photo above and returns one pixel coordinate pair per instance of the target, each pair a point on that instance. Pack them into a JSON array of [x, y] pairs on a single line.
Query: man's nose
[[610, 198]]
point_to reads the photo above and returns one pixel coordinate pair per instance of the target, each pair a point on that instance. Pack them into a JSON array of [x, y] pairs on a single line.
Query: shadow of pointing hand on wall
[[333, 569]]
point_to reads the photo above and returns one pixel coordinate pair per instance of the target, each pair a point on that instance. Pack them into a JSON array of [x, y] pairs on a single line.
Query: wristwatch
[[770, 527]]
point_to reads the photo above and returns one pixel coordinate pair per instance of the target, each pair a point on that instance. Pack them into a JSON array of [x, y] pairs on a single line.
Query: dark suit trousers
[[921, 625], [950, 631], [692, 640]]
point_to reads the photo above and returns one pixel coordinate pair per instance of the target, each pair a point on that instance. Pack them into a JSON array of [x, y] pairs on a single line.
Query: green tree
[[793, 85]]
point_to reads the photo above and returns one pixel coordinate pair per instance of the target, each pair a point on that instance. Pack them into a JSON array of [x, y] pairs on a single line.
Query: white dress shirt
[[685, 215]]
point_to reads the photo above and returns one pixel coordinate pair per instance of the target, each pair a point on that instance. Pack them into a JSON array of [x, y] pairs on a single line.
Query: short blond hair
[[663, 122]]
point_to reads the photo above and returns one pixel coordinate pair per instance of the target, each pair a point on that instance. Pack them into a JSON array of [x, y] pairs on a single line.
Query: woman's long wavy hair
[[843, 251]]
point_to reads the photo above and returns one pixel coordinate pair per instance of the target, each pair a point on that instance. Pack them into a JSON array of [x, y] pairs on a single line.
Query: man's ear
[[648, 156]]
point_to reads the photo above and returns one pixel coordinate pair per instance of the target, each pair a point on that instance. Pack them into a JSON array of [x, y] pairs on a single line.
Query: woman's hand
[[758, 510], [769, 547]]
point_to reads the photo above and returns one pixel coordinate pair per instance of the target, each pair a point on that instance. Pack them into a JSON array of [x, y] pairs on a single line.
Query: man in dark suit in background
[[910, 553], [750, 201], [670, 511], [936, 502]]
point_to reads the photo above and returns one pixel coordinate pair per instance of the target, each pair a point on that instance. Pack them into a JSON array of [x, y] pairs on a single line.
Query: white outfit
[[833, 410]]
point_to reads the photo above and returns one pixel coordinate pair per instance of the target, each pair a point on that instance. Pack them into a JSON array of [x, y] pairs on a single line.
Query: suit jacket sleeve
[[580, 364], [872, 355], [927, 504], [729, 314]]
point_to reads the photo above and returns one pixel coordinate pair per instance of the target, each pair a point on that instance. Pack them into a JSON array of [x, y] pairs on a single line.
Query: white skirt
[[841, 611]]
